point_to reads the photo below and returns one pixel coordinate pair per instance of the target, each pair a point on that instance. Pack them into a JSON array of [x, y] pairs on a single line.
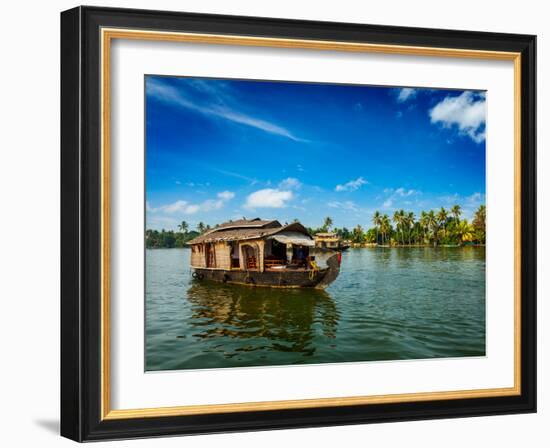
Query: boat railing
[[270, 262], [279, 263]]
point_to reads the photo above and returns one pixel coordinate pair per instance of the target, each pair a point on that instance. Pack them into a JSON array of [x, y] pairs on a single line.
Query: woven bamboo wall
[[222, 252], [223, 255], [198, 259]]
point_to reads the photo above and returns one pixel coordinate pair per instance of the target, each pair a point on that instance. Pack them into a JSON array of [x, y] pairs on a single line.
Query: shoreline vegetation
[[443, 228]]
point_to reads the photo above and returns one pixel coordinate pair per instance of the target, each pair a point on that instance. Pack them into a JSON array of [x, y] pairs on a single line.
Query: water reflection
[[269, 319]]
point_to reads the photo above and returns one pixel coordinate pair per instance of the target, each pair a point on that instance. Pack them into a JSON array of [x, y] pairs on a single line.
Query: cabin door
[[235, 261], [250, 255], [210, 256]]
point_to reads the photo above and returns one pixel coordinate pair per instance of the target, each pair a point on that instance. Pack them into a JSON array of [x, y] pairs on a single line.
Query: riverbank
[[374, 246], [427, 246]]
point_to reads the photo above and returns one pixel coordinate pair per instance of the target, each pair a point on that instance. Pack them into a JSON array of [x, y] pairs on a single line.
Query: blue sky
[[223, 149]]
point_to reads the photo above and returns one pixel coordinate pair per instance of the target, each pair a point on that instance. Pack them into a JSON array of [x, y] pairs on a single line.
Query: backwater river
[[386, 304]]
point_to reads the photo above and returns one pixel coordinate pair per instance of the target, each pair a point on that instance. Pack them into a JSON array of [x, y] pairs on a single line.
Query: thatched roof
[[247, 230], [248, 224]]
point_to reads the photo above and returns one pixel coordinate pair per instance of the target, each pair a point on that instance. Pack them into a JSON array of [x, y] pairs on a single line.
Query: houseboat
[[330, 240], [259, 252]]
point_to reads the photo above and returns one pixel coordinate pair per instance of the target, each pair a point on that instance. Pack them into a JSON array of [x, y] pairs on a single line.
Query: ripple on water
[[386, 304]]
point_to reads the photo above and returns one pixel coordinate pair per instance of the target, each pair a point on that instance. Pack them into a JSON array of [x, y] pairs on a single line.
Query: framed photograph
[[276, 224]]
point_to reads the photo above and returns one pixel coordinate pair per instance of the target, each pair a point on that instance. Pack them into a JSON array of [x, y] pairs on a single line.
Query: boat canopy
[[298, 239]]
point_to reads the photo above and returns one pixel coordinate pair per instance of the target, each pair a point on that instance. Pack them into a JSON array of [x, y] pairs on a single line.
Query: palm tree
[[385, 227], [403, 221], [183, 226], [399, 219], [409, 219], [464, 231], [480, 215], [417, 232], [201, 227], [328, 223], [433, 225], [479, 223], [358, 234], [377, 220], [442, 218], [424, 223], [456, 211]]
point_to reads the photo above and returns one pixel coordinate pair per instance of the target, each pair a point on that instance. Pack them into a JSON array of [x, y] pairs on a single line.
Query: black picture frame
[[81, 224]]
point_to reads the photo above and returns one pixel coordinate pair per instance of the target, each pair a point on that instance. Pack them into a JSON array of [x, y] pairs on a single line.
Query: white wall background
[[29, 249]]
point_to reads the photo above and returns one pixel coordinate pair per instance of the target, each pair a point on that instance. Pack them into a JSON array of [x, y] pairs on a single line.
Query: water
[[387, 304]]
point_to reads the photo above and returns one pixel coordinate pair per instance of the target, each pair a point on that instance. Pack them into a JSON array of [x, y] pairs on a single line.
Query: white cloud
[[268, 198], [188, 208], [467, 111], [476, 198], [404, 192], [450, 199], [251, 180], [191, 209], [405, 94], [346, 205], [290, 183], [170, 94], [352, 185], [469, 203], [174, 207], [226, 195], [210, 205], [161, 222], [397, 195], [247, 120]]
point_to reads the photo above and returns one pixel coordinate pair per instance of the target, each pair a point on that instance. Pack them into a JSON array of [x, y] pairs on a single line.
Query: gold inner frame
[[107, 35]]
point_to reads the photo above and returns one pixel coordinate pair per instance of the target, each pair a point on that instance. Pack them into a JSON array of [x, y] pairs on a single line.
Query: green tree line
[[169, 238], [434, 227]]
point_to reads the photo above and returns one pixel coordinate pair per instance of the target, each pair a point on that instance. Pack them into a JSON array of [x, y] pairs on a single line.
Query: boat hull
[[320, 278]]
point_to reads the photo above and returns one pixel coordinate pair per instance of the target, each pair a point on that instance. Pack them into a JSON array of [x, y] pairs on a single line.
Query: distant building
[[329, 240]]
